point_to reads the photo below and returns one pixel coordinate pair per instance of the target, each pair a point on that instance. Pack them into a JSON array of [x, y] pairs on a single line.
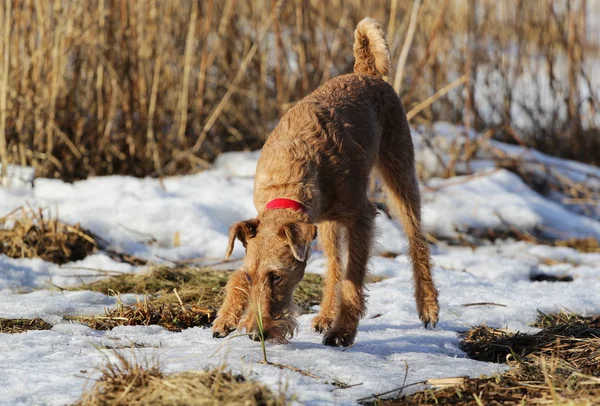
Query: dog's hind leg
[[329, 236], [350, 291], [396, 165]]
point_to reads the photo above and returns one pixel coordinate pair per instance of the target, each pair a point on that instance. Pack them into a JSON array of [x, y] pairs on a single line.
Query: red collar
[[285, 204]]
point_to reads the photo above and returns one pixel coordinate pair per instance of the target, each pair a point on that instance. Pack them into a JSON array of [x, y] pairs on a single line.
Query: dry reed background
[[153, 87]]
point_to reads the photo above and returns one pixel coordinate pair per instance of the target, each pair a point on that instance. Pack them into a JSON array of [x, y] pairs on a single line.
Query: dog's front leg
[[329, 236], [351, 296], [234, 305]]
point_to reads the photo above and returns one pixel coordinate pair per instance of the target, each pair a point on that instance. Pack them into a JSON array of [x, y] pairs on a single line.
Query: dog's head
[[276, 255]]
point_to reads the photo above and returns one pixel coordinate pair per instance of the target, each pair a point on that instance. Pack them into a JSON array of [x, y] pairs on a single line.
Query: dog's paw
[[428, 313], [339, 338], [322, 324], [222, 327]]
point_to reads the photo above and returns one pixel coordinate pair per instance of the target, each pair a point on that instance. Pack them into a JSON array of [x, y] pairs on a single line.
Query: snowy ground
[[142, 217]]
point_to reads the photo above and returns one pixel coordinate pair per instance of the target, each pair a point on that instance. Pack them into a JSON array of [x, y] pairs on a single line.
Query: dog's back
[[340, 123], [331, 138]]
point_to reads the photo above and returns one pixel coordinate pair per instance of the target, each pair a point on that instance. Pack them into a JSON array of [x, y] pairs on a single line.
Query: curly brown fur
[[321, 154], [371, 53]]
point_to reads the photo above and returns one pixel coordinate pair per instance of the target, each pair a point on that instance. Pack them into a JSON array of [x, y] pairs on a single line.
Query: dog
[[313, 172]]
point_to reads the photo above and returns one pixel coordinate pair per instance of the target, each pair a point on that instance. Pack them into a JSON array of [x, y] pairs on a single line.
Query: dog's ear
[[243, 231], [299, 236]]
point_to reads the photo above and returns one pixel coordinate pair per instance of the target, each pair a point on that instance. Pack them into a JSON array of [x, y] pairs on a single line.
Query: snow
[[493, 199], [24, 274], [17, 175], [443, 136], [433, 151], [143, 216]]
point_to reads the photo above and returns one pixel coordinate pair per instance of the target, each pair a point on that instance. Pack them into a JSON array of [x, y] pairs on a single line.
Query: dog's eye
[[249, 278], [275, 278]]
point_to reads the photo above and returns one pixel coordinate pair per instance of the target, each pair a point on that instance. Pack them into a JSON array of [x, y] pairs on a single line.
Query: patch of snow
[[496, 200], [241, 164], [17, 175]]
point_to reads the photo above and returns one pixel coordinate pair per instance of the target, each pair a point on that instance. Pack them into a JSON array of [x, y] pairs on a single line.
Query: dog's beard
[[284, 326], [281, 326]]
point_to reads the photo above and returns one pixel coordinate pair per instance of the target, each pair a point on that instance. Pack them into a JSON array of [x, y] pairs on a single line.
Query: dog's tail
[[371, 52]]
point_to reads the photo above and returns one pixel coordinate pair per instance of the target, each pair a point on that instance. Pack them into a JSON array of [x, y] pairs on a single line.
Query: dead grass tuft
[[178, 298], [146, 312], [558, 365], [565, 318], [574, 344], [133, 383], [199, 286], [580, 244], [308, 292], [12, 326], [26, 233]]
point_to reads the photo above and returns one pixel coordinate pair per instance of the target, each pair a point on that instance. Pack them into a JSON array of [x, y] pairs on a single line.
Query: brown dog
[[314, 169]]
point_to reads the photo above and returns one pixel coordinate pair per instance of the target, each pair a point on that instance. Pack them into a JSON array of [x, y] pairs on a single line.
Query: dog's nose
[[255, 336]]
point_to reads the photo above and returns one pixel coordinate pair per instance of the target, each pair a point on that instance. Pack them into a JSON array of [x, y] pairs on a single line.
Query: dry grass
[[580, 244], [146, 312], [197, 286], [558, 365], [157, 87], [565, 318], [503, 390], [133, 383], [12, 326], [26, 233], [574, 344], [199, 293], [308, 292], [178, 298], [585, 245]]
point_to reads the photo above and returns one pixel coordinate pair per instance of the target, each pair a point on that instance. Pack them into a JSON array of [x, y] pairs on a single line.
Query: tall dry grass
[[158, 87]]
